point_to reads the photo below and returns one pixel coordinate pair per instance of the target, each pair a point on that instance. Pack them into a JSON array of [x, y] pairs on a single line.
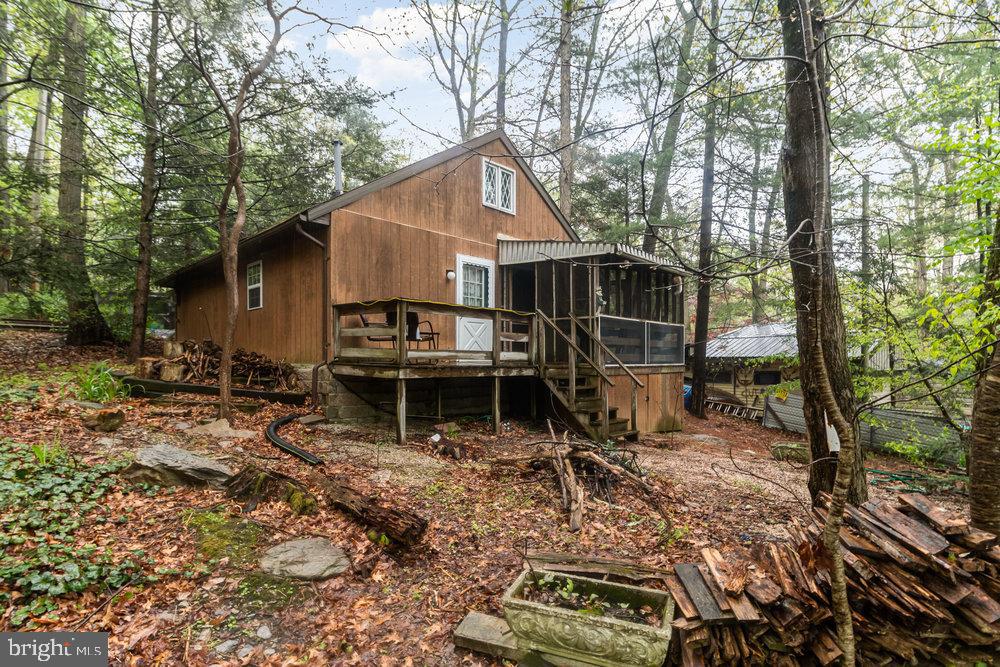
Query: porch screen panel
[[666, 343], [626, 338]]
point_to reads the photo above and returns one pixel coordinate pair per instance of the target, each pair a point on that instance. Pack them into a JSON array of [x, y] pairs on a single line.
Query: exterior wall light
[[450, 274]]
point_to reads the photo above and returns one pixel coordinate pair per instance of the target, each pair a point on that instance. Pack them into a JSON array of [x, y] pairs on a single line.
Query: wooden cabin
[[456, 280]]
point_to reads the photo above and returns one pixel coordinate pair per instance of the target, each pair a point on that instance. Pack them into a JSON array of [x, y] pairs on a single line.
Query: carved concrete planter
[[570, 638]]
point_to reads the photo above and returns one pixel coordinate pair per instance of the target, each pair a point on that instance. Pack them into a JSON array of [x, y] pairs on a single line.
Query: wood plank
[[978, 540], [702, 598], [763, 589], [381, 353], [741, 607], [937, 516], [681, 597], [911, 531], [373, 330]]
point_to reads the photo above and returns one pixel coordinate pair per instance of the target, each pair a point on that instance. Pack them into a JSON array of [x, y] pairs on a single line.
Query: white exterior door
[[474, 287]]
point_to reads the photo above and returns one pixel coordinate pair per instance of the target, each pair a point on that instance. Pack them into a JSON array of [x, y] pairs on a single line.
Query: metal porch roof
[[525, 252], [755, 341]]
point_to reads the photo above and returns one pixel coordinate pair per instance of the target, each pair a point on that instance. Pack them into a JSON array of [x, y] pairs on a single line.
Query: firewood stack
[[199, 362], [923, 587]]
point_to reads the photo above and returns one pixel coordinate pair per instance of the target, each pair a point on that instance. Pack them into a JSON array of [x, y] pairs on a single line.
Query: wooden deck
[[522, 345]]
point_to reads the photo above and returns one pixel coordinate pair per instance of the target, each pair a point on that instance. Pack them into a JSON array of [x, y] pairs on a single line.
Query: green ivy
[[43, 502]]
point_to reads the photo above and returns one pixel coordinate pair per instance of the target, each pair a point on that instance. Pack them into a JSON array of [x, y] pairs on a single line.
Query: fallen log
[[400, 526], [254, 485]]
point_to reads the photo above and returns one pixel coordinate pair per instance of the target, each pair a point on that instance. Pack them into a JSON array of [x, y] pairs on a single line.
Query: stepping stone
[[172, 466], [264, 632], [313, 559], [489, 635], [221, 429], [310, 420]]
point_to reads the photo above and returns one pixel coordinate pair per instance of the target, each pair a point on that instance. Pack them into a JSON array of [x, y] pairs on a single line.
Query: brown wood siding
[[401, 240], [397, 241], [660, 402], [287, 327]]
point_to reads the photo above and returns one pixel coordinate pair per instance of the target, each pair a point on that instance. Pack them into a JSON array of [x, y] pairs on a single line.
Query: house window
[[474, 285], [255, 286], [767, 377], [499, 187]]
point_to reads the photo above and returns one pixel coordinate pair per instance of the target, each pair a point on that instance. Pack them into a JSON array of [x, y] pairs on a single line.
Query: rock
[[269, 652], [104, 420], [313, 558], [107, 442], [170, 466], [790, 451], [311, 420], [226, 646], [244, 651], [220, 428], [264, 632], [182, 426]]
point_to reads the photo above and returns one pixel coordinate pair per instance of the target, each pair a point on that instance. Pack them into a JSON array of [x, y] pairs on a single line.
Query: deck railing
[[513, 334]]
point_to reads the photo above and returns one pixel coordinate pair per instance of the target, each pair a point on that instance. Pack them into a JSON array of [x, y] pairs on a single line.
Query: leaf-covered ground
[[171, 573]]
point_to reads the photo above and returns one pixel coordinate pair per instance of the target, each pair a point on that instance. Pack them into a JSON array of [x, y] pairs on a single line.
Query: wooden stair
[[587, 405]]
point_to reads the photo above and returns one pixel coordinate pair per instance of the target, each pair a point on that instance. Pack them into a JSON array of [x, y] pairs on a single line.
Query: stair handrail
[[607, 350], [590, 362]]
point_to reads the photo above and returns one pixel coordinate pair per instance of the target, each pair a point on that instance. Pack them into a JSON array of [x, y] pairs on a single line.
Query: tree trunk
[[147, 202], [984, 454], [699, 369], [668, 145], [85, 323], [756, 307], [807, 178], [5, 212], [984, 464], [765, 232], [799, 168], [565, 127], [502, 66]]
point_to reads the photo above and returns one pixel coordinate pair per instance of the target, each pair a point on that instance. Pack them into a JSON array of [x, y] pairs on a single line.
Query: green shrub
[[36, 305], [96, 383]]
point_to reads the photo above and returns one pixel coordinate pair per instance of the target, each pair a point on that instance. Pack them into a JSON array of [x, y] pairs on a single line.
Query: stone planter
[[569, 638]]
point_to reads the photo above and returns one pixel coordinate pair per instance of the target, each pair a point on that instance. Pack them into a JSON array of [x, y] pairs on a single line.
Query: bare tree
[[666, 144], [231, 223], [456, 51]]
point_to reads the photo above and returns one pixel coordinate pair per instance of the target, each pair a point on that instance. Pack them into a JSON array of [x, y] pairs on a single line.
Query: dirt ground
[[208, 605]]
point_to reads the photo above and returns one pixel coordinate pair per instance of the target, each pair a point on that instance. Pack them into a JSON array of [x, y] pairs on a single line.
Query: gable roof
[[471, 146], [317, 212]]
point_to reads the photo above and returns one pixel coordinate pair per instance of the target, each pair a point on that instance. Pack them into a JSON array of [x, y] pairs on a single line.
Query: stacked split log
[[199, 362], [923, 587]]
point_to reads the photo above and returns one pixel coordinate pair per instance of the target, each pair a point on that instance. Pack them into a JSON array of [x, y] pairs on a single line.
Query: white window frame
[[513, 187], [259, 285]]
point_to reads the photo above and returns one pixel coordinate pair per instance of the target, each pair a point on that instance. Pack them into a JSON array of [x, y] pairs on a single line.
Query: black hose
[[284, 445]]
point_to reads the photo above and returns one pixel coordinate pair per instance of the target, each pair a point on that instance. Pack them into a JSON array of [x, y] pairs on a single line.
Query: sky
[[387, 61]]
